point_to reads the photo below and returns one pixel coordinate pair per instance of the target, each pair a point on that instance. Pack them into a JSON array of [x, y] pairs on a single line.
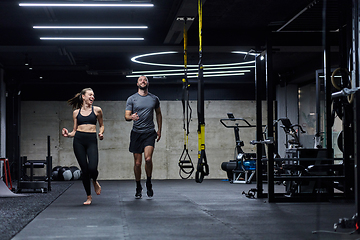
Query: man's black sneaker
[[150, 192], [138, 194]]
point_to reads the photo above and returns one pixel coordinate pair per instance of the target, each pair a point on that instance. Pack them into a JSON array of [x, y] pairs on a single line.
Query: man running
[[140, 109]]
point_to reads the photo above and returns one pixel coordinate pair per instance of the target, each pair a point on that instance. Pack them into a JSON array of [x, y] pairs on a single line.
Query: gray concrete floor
[[184, 209]]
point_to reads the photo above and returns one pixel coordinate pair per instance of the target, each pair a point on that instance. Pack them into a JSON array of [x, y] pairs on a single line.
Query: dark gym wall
[[113, 92]]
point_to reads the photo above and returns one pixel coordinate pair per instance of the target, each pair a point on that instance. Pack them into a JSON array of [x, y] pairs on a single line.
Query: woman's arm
[[100, 119], [65, 132]]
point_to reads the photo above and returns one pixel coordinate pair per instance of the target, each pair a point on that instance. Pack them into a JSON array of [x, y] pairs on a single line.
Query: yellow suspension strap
[[185, 163], [202, 169]]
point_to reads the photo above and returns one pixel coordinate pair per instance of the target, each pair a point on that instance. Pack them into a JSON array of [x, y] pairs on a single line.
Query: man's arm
[[159, 122], [131, 116], [128, 115]]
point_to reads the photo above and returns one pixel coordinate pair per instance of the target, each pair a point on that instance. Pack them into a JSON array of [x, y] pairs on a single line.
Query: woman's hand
[[65, 132], [101, 136]]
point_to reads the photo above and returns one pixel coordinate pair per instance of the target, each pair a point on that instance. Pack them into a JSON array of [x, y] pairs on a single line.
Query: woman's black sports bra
[[91, 119]]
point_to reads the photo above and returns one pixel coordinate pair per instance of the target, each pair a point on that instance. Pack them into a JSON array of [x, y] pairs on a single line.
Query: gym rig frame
[[348, 175]]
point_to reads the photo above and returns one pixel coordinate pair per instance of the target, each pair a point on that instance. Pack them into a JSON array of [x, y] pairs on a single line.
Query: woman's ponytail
[[77, 101]]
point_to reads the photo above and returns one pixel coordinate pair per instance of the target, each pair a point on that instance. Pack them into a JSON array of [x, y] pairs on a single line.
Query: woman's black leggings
[[86, 152]]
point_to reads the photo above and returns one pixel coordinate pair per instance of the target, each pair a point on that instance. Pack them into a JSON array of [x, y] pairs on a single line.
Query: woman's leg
[[93, 158], [80, 153]]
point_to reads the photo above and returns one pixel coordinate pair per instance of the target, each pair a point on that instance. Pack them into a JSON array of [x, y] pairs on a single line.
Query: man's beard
[[143, 88]]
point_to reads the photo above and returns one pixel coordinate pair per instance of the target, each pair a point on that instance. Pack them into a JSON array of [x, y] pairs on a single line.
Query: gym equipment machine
[[29, 181], [242, 168], [289, 129], [306, 171]]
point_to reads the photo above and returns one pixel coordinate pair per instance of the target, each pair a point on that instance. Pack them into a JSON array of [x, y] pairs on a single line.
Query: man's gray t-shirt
[[144, 106]]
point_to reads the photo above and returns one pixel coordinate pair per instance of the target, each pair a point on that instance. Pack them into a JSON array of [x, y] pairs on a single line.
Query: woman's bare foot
[[88, 200], [97, 187]]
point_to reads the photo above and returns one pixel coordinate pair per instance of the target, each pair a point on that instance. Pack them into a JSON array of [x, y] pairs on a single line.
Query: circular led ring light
[[134, 59]]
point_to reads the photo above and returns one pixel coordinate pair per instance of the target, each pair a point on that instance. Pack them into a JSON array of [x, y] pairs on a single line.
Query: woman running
[[85, 145]]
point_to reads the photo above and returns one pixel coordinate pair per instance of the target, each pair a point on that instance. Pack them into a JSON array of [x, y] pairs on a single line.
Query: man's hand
[[158, 136], [135, 116]]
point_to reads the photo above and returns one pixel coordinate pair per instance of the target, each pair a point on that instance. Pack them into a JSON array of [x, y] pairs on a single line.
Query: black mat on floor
[[17, 212], [185, 210]]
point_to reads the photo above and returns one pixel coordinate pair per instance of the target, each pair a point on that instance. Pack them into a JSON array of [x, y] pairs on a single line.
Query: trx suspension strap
[[185, 163], [202, 169]]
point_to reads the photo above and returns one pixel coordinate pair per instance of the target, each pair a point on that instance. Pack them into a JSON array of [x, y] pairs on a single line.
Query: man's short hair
[[142, 76]]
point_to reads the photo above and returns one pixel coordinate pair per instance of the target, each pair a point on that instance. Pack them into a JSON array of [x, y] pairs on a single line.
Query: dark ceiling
[[295, 27]]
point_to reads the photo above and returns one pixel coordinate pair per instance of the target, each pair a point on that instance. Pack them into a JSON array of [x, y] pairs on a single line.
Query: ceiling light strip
[[223, 68], [84, 5], [191, 69], [193, 74], [229, 64], [246, 53], [162, 71], [90, 27], [158, 75], [220, 75], [90, 38], [162, 74]]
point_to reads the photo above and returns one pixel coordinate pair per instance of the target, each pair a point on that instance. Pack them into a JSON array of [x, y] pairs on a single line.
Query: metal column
[[259, 81], [270, 109], [355, 79], [347, 107], [327, 82]]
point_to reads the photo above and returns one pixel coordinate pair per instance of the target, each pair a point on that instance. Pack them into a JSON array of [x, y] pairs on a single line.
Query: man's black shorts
[[138, 141]]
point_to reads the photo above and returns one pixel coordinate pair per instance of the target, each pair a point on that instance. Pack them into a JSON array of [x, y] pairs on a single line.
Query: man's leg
[[148, 152], [137, 172], [137, 166]]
